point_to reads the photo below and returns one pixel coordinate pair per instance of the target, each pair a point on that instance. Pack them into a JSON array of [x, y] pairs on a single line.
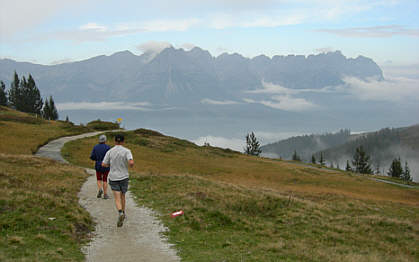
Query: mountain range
[[179, 77]]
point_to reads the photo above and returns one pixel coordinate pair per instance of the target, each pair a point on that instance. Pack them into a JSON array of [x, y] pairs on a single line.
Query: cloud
[[284, 98], [373, 32], [187, 46], [396, 89], [324, 50], [141, 106], [269, 88], [286, 103], [215, 102], [62, 61], [20, 15], [93, 27], [232, 143], [153, 46]]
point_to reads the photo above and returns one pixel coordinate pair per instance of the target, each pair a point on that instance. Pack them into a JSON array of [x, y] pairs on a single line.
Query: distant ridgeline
[[382, 146], [306, 145], [176, 76]]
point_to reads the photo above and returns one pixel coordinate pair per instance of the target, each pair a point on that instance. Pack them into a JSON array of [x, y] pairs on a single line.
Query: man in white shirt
[[118, 158]]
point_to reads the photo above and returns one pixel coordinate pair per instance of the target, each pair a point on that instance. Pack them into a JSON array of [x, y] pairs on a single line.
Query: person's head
[[102, 139], [119, 139]]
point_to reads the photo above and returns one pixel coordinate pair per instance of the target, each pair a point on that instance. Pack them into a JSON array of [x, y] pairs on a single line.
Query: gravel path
[[139, 239]]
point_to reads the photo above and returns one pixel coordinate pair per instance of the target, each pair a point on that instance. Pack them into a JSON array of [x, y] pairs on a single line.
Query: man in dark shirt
[[98, 153]]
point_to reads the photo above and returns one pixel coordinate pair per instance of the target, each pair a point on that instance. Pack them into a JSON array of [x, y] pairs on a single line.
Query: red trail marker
[[177, 213]]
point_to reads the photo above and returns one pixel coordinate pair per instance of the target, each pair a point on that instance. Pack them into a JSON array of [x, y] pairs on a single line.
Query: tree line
[[361, 161], [23, 95]]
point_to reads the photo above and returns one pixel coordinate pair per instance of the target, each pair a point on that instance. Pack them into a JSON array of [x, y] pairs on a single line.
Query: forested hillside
[[305, 145], [382, 146]]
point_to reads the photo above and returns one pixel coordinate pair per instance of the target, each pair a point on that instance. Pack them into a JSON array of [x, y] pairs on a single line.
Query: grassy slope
[[240, 208], [32, 190]]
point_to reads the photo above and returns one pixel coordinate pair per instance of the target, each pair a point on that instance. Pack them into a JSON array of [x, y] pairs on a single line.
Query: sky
[[50, 32]]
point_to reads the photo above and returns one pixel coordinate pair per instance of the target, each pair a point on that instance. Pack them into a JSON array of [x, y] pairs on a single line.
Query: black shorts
[[120, 185]]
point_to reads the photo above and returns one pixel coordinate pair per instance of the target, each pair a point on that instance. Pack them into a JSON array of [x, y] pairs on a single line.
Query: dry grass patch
[[39, 210], [23, 133]]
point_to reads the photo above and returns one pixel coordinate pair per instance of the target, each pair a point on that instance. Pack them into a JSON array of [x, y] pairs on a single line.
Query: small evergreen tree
[[31, 96], [331, 165], [49, 111], [24, 95], [252, 145], [396, 169], [360, 161], [313, 159], [406, 173], [295, 156], [321, 161], [3, 97], [14, 92], [67, 119], [348, 166]]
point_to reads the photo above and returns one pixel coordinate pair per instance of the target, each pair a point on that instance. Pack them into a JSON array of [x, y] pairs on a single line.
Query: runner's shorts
[[103, 176], [120, 185]]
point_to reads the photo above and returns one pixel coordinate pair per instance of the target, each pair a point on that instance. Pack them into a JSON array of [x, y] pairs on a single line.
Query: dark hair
[[119, 138]]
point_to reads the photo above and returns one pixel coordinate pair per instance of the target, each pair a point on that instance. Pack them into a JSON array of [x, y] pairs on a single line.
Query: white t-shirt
[[117, 157]]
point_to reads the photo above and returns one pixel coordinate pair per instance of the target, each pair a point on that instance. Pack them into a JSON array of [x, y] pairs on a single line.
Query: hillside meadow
[[40, 218], [243, 208]]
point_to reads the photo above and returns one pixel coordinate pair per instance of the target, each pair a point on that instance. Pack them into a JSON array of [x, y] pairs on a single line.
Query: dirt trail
[[139, 239]]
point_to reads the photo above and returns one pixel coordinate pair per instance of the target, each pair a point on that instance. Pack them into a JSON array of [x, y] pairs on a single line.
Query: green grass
[[40, 218], [102, 125], [241, 208]]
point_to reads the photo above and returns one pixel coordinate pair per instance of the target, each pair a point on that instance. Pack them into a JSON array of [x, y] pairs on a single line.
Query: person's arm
[[93, 155], [130, 159], [106, 160], [131, 163]]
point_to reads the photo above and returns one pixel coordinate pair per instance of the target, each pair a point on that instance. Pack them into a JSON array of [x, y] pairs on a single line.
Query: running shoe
[[99, 194]]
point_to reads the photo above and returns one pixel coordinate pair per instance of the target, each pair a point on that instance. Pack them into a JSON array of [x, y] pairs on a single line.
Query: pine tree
[[46, 110], [348, 166], [313, 159], [49, 111], [321, 161], [24, 95], [3, 97], [406, 173], [295, 156], [14, 92], [396, 169], [54, 112], [331, 165], [361, 161], [32, 97], [252, 145]]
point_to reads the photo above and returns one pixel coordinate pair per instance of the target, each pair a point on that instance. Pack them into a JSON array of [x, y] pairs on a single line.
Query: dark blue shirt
[[98, 153]]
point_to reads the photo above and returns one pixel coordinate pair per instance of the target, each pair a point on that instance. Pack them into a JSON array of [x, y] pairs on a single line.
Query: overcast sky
[[51, 31]]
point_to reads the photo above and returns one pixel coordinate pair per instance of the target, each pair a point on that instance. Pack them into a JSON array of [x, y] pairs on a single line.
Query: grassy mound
[[241, 208], [102, 125], [40, 218]]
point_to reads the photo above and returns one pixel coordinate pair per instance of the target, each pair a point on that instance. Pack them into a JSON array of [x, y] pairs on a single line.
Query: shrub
[[102, 125], [147, 132]]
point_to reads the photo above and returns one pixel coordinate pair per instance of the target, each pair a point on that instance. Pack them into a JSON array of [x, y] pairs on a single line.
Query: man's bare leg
[[99, 186], [105, 187], [117, 196]]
